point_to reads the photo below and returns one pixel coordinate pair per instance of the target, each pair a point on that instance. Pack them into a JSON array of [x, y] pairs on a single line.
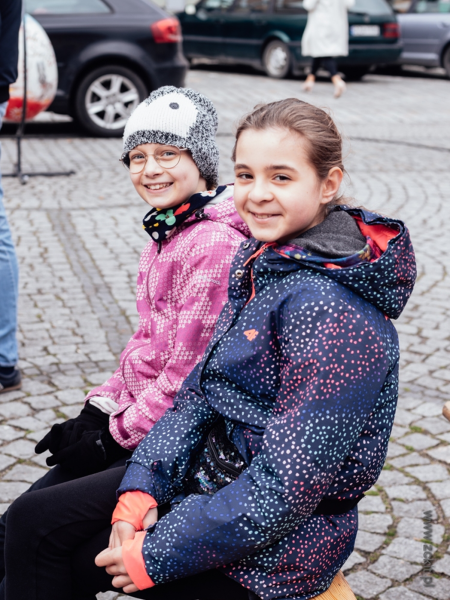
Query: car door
[[200, 25], [424, 29], [244, 29]]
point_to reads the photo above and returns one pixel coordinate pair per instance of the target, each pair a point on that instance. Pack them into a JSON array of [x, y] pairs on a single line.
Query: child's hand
[[121, 531], [150, 518], [113, 562]]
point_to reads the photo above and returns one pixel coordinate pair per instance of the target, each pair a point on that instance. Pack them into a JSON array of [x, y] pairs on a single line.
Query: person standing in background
[[10, 378], [325, 37]]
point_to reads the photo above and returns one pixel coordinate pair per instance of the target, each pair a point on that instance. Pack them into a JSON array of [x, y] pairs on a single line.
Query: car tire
[[355, 73], [105, 98], [276, 59], [446, 61]]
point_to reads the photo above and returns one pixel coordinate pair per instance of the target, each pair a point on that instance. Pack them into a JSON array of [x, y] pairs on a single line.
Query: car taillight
[[166, 31], [391, 31]]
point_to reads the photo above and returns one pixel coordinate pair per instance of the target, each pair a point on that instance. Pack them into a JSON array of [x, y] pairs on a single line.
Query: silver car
[[425, 31]]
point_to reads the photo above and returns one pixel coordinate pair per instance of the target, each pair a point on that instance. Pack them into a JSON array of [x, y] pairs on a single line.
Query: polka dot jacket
[[303, 367]]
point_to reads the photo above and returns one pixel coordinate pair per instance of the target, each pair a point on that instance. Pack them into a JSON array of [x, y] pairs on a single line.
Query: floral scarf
[[160, 223]]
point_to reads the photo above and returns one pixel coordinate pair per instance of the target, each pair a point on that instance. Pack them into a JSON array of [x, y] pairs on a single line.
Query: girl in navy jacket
[[248, 487]]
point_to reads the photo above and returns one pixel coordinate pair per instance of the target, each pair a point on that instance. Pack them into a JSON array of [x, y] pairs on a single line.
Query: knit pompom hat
[[177, 117]]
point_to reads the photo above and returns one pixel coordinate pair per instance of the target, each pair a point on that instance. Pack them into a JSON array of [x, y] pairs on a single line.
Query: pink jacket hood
[[180, 294]]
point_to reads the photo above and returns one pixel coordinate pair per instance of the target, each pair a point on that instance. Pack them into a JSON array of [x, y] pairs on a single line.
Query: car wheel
[[276, 59], [106, 97], [446, 61], [355, 73]]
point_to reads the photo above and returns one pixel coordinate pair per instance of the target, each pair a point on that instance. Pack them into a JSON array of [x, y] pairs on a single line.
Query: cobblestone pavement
[[79, 240]]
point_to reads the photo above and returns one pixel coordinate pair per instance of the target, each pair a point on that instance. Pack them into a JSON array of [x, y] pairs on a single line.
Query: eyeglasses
[[167, 157]]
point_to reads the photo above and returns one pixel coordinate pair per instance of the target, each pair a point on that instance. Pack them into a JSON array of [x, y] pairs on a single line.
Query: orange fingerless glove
[[132, 508], [134, 561]]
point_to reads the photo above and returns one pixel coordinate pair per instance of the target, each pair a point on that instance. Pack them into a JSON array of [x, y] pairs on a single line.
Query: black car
[[110, 55]]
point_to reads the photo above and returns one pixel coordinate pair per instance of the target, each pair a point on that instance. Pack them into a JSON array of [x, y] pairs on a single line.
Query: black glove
[[63, 435], [93, 452]]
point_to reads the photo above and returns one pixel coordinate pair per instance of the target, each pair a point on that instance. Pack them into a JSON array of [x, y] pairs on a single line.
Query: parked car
[[425, 30], [267, 34], [110, 55]]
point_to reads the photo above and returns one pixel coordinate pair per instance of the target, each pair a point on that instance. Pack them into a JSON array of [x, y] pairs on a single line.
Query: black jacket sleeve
[[10, 17]]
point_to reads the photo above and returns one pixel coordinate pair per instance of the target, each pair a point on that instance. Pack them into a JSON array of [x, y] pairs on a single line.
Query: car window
[[371, 7], [289, 6], [251, 6], [402, 6], [58, 7], [215, 4], [432, 6]]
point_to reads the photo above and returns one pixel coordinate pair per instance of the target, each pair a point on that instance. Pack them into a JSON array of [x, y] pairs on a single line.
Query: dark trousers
[[55, 476], [52, 538], [328, 63]]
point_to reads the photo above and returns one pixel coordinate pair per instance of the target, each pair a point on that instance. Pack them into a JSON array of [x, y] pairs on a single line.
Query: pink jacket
[[180, 293]]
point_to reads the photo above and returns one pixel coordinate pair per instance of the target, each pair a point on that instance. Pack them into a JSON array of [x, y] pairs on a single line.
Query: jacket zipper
[[223, 464]]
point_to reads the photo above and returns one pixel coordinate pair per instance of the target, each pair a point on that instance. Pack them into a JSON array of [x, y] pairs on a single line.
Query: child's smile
[[277, 191]]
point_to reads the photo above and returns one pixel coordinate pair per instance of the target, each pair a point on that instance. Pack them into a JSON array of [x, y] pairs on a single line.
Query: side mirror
[[190, 9]]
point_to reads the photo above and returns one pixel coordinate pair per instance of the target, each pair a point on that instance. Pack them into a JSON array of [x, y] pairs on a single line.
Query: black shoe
[[11, 382]]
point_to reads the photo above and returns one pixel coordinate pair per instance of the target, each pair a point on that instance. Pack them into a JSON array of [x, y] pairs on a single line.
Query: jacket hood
[[222, 210], [383, 273]]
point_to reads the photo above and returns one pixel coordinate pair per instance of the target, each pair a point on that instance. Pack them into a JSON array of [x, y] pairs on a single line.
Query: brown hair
[[324, 142]]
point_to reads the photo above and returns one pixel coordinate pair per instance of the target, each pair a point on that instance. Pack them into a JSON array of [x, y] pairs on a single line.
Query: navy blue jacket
[[306, 377], [10, 17]]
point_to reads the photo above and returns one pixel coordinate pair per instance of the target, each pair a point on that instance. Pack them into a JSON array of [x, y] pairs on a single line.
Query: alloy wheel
[[110, 99]]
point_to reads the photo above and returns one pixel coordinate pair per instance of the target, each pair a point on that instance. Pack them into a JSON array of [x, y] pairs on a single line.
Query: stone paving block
[[36, 388], [48, 416], [405, 492], [428, 409], [395, 450], [4, 507], [415, 529], [42, 402], [442, 453], [108, 596], [408, 402], [10, 490], [418, 441], [442, 565], [40, 459], [10, 396], [72, 411], [14, 409], [37, 436], [446, 507], [368, 542], [404, 417], [372, 504], [406, 549], [398, 431], [392, 477], [409, 459], [440, 589], [445, 437], [71, 396], [366, 584], [8, 433], [374, 523], [19, 449], [25, 473], [99, 378], [352, 560], [401, 593], [414, 509], [6, 461], [440, 490], [67, 381], [27, 423], [434, 425], [429, 473], [394, 568]]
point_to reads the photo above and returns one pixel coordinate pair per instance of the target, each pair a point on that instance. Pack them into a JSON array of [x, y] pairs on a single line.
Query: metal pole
[[20, 130]]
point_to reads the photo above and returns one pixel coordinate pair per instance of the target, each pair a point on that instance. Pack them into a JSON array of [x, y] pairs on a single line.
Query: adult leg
[[55, 476], [46, 525], [9, 289], [339, 85], [310, 80]]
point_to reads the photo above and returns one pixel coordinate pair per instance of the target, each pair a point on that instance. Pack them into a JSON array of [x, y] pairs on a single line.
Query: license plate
[[365, 30]]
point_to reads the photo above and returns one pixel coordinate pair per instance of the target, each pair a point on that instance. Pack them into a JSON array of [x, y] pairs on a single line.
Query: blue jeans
[[9, 283]]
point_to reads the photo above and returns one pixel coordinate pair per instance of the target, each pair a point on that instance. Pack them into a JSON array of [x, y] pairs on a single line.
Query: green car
[[267, 34]]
